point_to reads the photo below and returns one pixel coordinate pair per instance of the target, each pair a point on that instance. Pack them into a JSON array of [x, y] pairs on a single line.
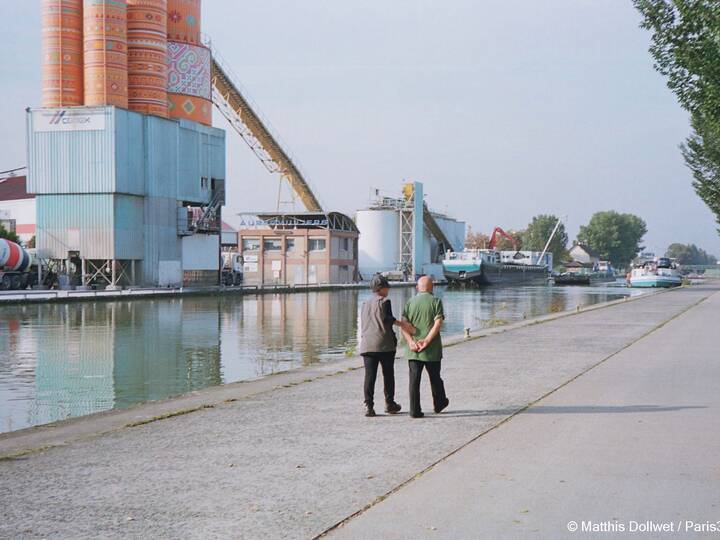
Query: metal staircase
[[243, 117]]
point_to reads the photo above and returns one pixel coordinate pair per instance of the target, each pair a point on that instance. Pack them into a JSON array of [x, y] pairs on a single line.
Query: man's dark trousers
[[436, 384], [387, 361]]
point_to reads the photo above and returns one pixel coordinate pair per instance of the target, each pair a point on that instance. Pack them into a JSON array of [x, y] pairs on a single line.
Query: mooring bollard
[[467, 333]]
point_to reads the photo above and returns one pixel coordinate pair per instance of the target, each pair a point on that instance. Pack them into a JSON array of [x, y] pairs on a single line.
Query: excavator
[[494, 238]]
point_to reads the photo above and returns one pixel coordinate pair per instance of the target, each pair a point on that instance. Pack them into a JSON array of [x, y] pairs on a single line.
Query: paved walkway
[[636, 439], [292, 462]]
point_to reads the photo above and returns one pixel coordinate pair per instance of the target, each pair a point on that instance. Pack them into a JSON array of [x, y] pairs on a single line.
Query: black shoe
[[440, 409], [393, 408], [370, 412], [418, 415]]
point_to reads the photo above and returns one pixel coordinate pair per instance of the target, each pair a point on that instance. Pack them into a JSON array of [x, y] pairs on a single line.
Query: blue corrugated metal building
[[116, 190]]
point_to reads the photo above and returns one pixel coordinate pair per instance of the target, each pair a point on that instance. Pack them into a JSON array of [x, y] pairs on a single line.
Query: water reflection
[[60, 361]]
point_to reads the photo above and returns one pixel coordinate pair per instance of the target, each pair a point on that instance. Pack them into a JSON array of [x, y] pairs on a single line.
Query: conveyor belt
[[230, 101]]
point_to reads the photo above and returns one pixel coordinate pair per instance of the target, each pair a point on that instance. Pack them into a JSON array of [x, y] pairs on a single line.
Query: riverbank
[[291, 455], [66, 296]]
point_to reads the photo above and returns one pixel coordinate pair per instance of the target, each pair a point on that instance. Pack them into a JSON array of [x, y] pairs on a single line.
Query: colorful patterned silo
[[62, 50], [105, 39], [189, 79], [184, 21], [147, 56]]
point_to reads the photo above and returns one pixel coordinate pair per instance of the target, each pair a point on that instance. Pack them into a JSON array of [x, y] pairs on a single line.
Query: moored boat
[[491, 267], [657, 273], [485, 267]]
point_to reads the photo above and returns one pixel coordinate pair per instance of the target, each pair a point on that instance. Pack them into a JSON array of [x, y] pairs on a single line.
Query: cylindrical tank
[[184, 21], [189, 75], [62, 51], [379, 242], [105, 49], [13, 257], [147, 56], [189, 82]]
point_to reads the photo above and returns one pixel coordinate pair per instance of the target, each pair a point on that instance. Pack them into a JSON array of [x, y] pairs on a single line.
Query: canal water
[[64, 360]]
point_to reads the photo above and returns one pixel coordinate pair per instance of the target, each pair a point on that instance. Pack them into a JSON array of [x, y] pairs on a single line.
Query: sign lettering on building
[[80, 119]]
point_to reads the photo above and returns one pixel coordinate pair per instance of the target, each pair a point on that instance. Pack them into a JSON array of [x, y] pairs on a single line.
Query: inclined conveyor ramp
[[234, 106]]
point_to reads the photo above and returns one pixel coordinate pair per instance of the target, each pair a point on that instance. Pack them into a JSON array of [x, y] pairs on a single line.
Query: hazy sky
[[504, 109]]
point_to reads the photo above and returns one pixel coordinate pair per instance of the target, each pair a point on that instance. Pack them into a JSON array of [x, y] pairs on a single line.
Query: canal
[[59, 361]]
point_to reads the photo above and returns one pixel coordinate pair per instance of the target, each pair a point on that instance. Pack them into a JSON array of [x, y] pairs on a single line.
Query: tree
[[8, 235], [539, 230], [476, 240], [615, 237], [689, 254], [686, 50]]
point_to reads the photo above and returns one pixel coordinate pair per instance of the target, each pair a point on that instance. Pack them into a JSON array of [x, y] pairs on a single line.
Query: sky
[[504, 109]]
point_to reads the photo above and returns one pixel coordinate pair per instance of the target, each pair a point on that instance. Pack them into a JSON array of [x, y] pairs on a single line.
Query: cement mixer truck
[[17, 267]]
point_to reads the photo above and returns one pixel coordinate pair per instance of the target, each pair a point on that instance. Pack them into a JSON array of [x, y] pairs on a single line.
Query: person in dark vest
[[378, 344], [425, 312]]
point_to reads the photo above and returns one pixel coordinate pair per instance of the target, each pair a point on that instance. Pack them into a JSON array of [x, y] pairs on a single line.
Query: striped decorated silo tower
[[147, 56], [105, 40], [189, 76], [62, 51]]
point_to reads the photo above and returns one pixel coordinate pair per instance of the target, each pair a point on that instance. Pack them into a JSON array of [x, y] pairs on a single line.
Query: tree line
[[613, 236]]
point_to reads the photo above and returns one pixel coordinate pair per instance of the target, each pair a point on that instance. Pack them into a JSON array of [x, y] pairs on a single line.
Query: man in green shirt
[[425, 313]]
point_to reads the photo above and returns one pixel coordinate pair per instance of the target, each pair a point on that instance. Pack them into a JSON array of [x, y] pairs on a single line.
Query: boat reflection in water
[[60, 361]]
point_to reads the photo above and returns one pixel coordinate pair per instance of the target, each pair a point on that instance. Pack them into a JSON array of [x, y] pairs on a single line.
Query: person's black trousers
[[436, 384], [387, 361]]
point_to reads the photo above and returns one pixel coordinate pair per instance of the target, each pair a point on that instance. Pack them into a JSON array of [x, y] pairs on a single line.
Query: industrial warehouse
[[126, 177]]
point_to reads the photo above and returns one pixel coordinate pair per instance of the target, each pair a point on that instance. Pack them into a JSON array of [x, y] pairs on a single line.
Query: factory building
[[117, 193], [17, 207], [403, 235], [128, 174], [298, 249]]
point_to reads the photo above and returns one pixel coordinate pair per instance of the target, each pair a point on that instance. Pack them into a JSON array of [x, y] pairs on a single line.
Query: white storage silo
[[379, 243]]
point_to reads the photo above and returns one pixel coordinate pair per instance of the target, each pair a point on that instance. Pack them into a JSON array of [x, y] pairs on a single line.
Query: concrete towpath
[[294, 462], [629, 449]]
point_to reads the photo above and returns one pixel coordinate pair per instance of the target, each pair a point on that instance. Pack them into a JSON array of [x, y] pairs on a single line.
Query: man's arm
[[432, 334], [412, 344], [435, 330], [405, 326]]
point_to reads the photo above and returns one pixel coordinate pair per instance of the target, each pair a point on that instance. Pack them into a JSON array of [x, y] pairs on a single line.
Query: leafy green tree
[[615, 237], [539, 230], [4, 233], [686, 49], [689, 254]]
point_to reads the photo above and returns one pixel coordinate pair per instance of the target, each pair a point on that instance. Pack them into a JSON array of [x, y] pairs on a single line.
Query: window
[[345, 244], [272, 244], [289, 244], [316, 244], [251, 244], [204, 183]]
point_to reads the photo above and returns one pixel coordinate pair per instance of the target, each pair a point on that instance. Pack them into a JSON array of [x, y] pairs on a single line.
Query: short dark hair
[[378, 282]]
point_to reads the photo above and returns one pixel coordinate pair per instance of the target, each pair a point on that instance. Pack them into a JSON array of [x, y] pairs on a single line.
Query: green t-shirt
[[422, 312]]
